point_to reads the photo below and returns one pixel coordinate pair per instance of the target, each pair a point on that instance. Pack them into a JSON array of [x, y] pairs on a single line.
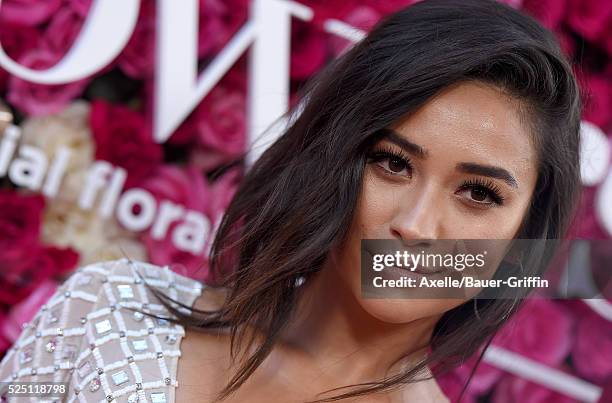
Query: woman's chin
[[400, 311]]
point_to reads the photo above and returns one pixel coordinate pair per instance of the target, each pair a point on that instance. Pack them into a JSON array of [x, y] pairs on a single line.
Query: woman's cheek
[[381, 199], [494, 226]]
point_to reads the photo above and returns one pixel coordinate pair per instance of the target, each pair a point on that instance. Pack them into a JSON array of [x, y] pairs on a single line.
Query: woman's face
[[467, 171]]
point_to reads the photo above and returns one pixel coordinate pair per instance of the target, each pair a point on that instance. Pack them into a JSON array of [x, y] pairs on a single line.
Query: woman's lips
[[420, 270]]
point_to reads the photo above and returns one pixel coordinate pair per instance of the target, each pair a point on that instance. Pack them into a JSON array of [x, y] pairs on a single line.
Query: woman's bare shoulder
[[212, 345], [203, 369]]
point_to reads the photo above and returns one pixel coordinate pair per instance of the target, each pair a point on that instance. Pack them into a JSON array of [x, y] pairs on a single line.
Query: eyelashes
[[484, 186], [477, 186], [387, 153]]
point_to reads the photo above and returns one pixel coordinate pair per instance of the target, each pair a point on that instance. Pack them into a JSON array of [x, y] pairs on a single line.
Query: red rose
[[123, 138], [587, 224], [308, 50], [484, 377], [566, 41], [26, 309], [5, 343], [28, 12], [593, 348], [389, 6], [549, 12], [589, 18], [361, 17], [452, 384], [514, 389], [541, 330], [20, 221], [17, 39], [20, 277], [325, 9], [188, 188], [219, 22], [221, 125], [80, 6], [138, 58], [598, 102], [62, 30], [37, 99], [217, 127], [606, 39]]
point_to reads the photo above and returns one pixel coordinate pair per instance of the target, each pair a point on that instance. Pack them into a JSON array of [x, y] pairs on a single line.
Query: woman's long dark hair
[[297, 201]]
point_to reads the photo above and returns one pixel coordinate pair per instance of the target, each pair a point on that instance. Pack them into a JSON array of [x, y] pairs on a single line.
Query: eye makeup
[[486, 187], [396, 158]]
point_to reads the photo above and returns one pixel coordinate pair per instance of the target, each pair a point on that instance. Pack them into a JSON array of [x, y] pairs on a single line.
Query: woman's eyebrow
[[467, 167], [487, 170], [402, 142]]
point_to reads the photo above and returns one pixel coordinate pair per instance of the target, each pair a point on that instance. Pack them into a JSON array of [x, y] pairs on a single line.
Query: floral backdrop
[[108, 117]]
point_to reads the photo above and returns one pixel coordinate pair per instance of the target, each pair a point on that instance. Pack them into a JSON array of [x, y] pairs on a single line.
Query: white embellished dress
[[92, 337]]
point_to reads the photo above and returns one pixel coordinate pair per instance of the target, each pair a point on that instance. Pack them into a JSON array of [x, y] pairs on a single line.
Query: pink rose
[[16, 39], [26, 309], [20, 223], [362, 17], [37, 99], [592, 351], [4, 341], [219, 22], [566, 41], [549, 12], [598, 102], [451, 385], [28, 12], [223, 191], [124, 138], [308, 50], [586, 224], [217, 126], [606, 40], [207, 160], [606, 395], [540, 330], [80, 6], [589, 18], [325, 9], [389, 6], [235, 80], [210, 26], [484, 377], [62, 31], [576, 307], [513, 389], [601, 256], [222, 123], [22, 276], [188, 188], [138, 58]]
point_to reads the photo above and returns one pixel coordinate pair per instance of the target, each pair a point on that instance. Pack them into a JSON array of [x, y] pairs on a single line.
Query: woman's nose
[[421, 218]]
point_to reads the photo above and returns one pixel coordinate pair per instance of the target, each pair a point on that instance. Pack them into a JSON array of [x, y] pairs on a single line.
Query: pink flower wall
[[109, 117]]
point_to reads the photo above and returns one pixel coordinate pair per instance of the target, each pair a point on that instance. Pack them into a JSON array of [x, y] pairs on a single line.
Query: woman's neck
[[332, 331]]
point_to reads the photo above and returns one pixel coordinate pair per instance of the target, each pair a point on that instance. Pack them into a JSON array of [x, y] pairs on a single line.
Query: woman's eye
[[396, 166], [480, 195]]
